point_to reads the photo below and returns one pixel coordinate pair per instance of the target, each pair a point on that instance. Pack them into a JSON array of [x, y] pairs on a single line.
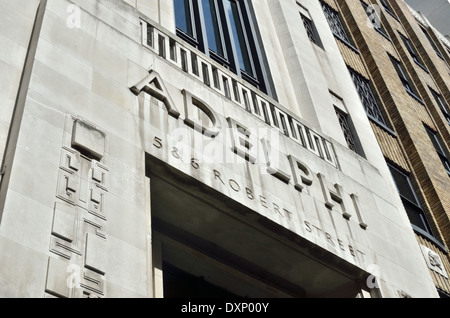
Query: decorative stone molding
[[433, 261], [77, 262]]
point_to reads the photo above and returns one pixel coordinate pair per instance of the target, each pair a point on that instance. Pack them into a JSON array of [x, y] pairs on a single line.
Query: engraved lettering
[[302, 174], [308, 226], [317, 229], [154, 86], [157, 142], [249, 193], [277, 209], [352, 251], [333, 193], [362, 254], [243, 141], [217, 176], [289, 214], [329, 238], [192, 103], [263, 201], [234, 185], [194, 163], [272, 168], [356, 205], [341, 244]]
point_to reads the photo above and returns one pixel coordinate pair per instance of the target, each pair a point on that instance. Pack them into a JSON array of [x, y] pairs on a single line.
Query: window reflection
[[239, 36], [223, 30], [212, 27], [183, 16]]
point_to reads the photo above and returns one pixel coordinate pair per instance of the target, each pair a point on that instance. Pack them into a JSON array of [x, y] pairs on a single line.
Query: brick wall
[[410, 147]]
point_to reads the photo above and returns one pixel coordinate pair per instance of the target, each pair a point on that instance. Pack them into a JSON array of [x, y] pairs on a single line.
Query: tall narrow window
[[367, 98], [436, 50], [410, 201], [185, 21], [239, 36], [346, 129], [310, 28], [213, 27], [438, 145], [442, 105], [412, 51], [224, 30], [404, 77], [388, 8], [183, 16], [335, 23]]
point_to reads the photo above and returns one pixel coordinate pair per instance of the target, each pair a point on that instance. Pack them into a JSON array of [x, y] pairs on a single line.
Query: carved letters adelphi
[[202, 118], [77, 265]]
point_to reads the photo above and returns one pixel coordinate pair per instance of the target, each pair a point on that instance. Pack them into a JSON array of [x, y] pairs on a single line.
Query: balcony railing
[[193, 62]]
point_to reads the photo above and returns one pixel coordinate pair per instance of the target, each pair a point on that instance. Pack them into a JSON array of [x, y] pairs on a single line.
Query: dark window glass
[[345, 126], [183, 17], [367, 98], [403, 77], [223, 29], [404, 186], [212, 27], [432, 42], [388, 8], [442, 105], [410, 201], [438, 145], [309, 28], [412, 51], [239, 35], [335, 22]]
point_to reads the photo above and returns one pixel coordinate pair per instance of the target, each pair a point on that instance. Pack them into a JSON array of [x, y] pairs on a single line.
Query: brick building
[[405, 62]]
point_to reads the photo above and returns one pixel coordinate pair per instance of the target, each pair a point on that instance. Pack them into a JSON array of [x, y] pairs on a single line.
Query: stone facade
[[123, 158]]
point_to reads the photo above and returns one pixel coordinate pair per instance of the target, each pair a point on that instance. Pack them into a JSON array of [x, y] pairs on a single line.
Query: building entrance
[[207, 245]]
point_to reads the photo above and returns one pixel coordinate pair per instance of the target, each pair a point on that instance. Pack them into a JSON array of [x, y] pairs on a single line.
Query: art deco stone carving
[[78, 245], [87, 138]]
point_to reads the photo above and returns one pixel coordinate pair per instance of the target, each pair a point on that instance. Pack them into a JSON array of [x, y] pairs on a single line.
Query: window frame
[[194, 22], [334, 20], [441, 103], [311, 30], [223, 59], [426, 230], [440, 150], [379, 114], [431, 41], [257, 73], [413, 52], [349, 131], [404, 78], [244, 26], [387, 7]]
